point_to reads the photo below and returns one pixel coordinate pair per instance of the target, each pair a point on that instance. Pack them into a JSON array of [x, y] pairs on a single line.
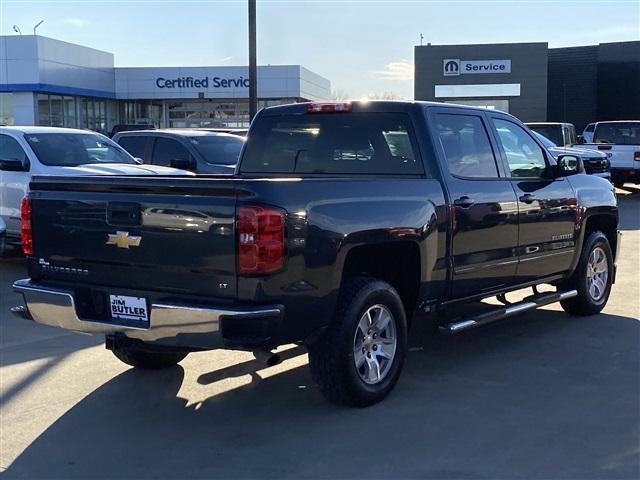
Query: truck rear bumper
[[171, 324]]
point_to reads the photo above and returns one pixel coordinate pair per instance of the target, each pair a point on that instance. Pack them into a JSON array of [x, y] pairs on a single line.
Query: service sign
[[454, 67]]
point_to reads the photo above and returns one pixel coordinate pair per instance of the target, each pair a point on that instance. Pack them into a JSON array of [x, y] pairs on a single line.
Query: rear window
[[621, 133], [218, 149], [332, 143], [552, 132]]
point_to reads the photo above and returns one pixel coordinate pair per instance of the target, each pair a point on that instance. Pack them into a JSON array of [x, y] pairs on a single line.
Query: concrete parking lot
[[539, 396]]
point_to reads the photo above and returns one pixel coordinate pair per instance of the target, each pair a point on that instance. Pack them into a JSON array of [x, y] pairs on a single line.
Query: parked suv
[[345, 223], [562, 134], [198, 151]]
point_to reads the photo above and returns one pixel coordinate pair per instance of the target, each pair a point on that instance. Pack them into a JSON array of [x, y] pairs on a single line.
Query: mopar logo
[[451, 67]]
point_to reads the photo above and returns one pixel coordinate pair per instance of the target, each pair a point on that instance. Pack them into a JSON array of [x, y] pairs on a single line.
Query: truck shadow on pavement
[[542, 396]]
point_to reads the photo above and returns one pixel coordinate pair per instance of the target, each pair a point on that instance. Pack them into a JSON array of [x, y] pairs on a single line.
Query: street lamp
[[253, 68], [37, 25], [17, 29]]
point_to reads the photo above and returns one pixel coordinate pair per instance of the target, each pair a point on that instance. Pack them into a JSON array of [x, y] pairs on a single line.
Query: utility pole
[[253, 66]]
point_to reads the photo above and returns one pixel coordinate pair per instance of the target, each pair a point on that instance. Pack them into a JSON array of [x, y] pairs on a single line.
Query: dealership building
[[49, 82], [534, 82]]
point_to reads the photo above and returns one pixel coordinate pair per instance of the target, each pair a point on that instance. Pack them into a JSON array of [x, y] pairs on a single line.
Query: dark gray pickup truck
[[344, 223]]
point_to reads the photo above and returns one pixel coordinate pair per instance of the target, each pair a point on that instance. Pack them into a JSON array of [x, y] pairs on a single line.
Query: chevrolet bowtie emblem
[[123, 240]]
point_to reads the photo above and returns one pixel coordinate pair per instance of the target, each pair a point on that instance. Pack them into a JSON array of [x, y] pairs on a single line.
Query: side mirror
[[581, 140], [570, 165], [138, 160], [183, 163], [14, 165]]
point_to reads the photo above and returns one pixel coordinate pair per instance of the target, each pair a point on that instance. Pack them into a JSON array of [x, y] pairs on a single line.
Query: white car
[[28, 151]]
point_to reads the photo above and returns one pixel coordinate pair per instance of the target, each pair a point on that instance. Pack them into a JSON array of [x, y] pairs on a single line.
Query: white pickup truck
[[620, 139]]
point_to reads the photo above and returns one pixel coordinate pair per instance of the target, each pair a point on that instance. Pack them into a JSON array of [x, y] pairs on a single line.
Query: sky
[[364, 47]]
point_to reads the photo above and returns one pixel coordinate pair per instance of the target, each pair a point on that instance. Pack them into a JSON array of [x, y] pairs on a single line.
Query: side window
[[134, 145], [10, 149], [525, 157], [589, 128], [466, 146], [166, 150]]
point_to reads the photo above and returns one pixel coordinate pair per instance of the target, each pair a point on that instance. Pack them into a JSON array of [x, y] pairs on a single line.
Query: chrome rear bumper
[[169, 324]]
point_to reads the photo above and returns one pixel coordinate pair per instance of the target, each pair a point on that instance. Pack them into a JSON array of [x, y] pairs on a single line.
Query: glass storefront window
[[69, 111], [44, 111], [55, 104], [6, 109]]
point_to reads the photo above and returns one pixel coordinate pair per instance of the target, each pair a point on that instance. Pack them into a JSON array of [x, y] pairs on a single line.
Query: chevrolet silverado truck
[[344, 223]]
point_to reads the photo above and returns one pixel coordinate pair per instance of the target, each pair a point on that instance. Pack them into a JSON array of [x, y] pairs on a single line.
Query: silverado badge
[[123, 240]]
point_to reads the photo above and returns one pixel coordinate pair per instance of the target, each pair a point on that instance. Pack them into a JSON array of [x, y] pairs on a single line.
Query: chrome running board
[[501, 312]]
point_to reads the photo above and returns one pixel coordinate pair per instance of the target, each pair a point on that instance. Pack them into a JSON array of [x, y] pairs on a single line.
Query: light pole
[[37, 25], [253, 68]]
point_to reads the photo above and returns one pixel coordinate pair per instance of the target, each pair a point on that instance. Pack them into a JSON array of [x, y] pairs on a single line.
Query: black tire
[[147, 358], [584, 303], [332, 359]]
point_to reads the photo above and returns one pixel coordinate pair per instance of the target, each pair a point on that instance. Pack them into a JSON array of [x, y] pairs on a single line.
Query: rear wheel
[[593, 277], [359, 359], [148, 358]]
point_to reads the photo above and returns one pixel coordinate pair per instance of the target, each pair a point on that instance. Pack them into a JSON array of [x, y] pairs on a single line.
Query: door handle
[[463, 202], [528, 198]]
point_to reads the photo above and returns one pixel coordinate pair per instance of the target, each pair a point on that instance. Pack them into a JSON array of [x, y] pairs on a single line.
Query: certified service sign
[[454, 67]]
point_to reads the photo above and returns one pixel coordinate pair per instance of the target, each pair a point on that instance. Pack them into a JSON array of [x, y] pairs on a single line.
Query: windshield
[[544, 140], [73, 149], [551, 132], [220, 149], [621, 133]]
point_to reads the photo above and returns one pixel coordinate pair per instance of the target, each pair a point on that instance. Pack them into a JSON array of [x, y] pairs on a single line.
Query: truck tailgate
[[165, 234]]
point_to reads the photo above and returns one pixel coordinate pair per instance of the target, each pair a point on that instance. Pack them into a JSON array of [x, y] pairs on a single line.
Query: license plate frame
[[130, 309]]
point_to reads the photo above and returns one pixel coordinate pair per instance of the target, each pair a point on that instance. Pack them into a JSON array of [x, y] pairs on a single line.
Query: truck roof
[[369, 106]]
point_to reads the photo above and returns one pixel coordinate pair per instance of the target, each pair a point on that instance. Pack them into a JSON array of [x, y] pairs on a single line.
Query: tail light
[[636, 156], [260, 237], [26, 233], [329, 107]]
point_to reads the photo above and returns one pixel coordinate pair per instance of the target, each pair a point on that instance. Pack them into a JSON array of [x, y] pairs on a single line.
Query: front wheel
[[359, 359], [148, 358], [593, 277]]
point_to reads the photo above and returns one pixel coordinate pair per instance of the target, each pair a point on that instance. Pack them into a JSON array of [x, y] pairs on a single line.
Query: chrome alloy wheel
[[374, 344], [597, 274]]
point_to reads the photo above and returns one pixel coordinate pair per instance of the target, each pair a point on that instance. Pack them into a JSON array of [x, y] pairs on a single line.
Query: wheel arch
[[397, 263], [604, 221]]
